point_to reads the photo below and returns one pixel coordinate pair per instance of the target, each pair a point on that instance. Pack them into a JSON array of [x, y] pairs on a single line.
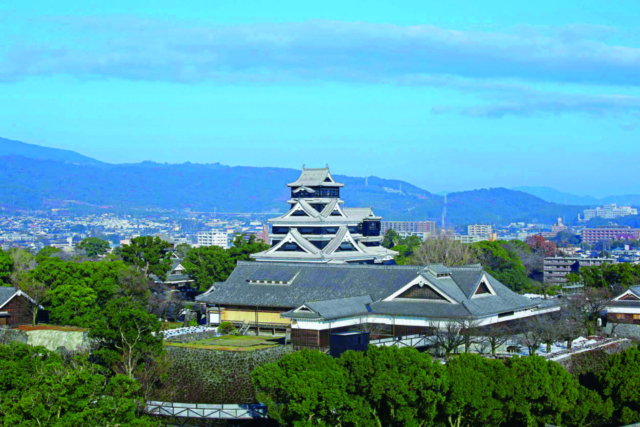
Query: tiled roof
[[6, 292], [314, 178], [333, 309], [325, 288]]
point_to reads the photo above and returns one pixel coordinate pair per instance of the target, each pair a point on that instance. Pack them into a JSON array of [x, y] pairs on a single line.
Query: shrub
[[227, 328]]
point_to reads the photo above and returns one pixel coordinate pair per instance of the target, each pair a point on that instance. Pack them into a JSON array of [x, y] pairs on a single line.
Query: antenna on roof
[[303, 167], [327, 165]]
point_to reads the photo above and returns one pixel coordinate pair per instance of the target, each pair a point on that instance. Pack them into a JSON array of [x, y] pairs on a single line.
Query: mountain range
[[32, 177], [555, 196]]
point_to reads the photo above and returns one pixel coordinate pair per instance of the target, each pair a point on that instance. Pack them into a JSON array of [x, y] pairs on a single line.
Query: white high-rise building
[[609, 212], [213, 238], [479, 230]]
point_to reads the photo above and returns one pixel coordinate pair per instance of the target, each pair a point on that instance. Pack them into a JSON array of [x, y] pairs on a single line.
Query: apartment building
[[609, 212], [422, 229], [479, 230], [213, 238], [557, 268], [604, 233]]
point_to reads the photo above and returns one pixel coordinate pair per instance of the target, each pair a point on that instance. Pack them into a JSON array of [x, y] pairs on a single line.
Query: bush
[[227, 328]]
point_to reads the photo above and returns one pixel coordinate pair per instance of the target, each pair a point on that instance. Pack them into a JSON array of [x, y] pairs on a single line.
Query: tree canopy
[[94, 246], [149, 255], [6, 267], [38, 388]]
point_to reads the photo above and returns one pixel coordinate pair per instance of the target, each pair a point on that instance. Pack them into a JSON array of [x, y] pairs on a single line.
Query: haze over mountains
[[32, 176]]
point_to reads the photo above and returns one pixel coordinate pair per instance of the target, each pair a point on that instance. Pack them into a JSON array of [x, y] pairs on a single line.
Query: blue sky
[[446, 95]]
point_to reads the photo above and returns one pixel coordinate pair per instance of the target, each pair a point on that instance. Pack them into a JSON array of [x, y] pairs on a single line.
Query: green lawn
[[232, 343]]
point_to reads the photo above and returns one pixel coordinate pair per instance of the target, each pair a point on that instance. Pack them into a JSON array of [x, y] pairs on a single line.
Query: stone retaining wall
[[210, 376]]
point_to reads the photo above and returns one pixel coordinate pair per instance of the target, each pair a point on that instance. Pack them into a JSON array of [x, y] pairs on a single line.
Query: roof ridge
[[312, 264]]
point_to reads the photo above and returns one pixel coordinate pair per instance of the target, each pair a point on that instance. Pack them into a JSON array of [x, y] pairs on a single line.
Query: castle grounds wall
[[210, 376]]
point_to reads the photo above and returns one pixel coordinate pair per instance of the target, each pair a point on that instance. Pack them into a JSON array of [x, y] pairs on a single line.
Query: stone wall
[[51, 340], [210, 376], [9, 335]]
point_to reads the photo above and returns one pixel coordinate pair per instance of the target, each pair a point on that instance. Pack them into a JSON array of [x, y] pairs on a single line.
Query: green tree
[[208, 264], [538, 392], [620, 382], [475, 397], [38, 388], [73, 305], [182, 250], [242, 249], [503, 263], [305, 388], [589, 410], [45, 253], [398, 387], [94, 246], [149, 255], [6, 267], [390, 239], [126, 335]]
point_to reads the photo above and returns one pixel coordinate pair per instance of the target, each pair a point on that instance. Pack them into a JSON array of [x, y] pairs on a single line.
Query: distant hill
[[555, 196], [9, 147], [40, 176]]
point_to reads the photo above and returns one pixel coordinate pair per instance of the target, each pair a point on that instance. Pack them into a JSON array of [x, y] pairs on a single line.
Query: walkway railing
[[206, 410]]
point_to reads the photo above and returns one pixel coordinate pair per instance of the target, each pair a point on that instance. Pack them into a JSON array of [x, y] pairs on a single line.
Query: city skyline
[[526, 95]]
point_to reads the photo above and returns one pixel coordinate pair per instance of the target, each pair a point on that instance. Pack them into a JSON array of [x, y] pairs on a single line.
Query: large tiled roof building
[[313, 300], [318, 228]]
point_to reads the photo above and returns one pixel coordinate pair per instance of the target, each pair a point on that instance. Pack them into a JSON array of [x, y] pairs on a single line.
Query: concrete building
[[609, 232], [213, 238], [481, 230], [557, 268], [422, 229], [609, 212], [465, 238]]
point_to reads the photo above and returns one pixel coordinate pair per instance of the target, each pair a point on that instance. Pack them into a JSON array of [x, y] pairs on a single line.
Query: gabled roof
[[333, 309], [328, 286], [6, 292], [328, 254], [315, 178]]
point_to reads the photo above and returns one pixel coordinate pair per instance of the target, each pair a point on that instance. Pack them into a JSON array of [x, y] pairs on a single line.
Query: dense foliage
[[6, 266], [94, 246], [210, 264], [391, 386], [614, 277], [40, 388], [149, 255]]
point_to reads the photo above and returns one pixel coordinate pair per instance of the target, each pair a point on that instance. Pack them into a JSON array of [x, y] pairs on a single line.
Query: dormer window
[[421, 292]]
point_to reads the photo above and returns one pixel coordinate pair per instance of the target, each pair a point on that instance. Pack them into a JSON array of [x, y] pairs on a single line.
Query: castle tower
[[318, 228]]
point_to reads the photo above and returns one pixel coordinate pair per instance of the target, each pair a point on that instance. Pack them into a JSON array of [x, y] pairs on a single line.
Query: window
[[345, 247], [636, 317], [482, 289], [506, 314]]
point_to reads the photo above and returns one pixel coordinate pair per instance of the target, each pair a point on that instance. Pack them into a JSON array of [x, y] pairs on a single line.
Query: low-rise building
[[314, 300], [625, 308], [14, 307], [557, 268], [465, 238], [422, 229]]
